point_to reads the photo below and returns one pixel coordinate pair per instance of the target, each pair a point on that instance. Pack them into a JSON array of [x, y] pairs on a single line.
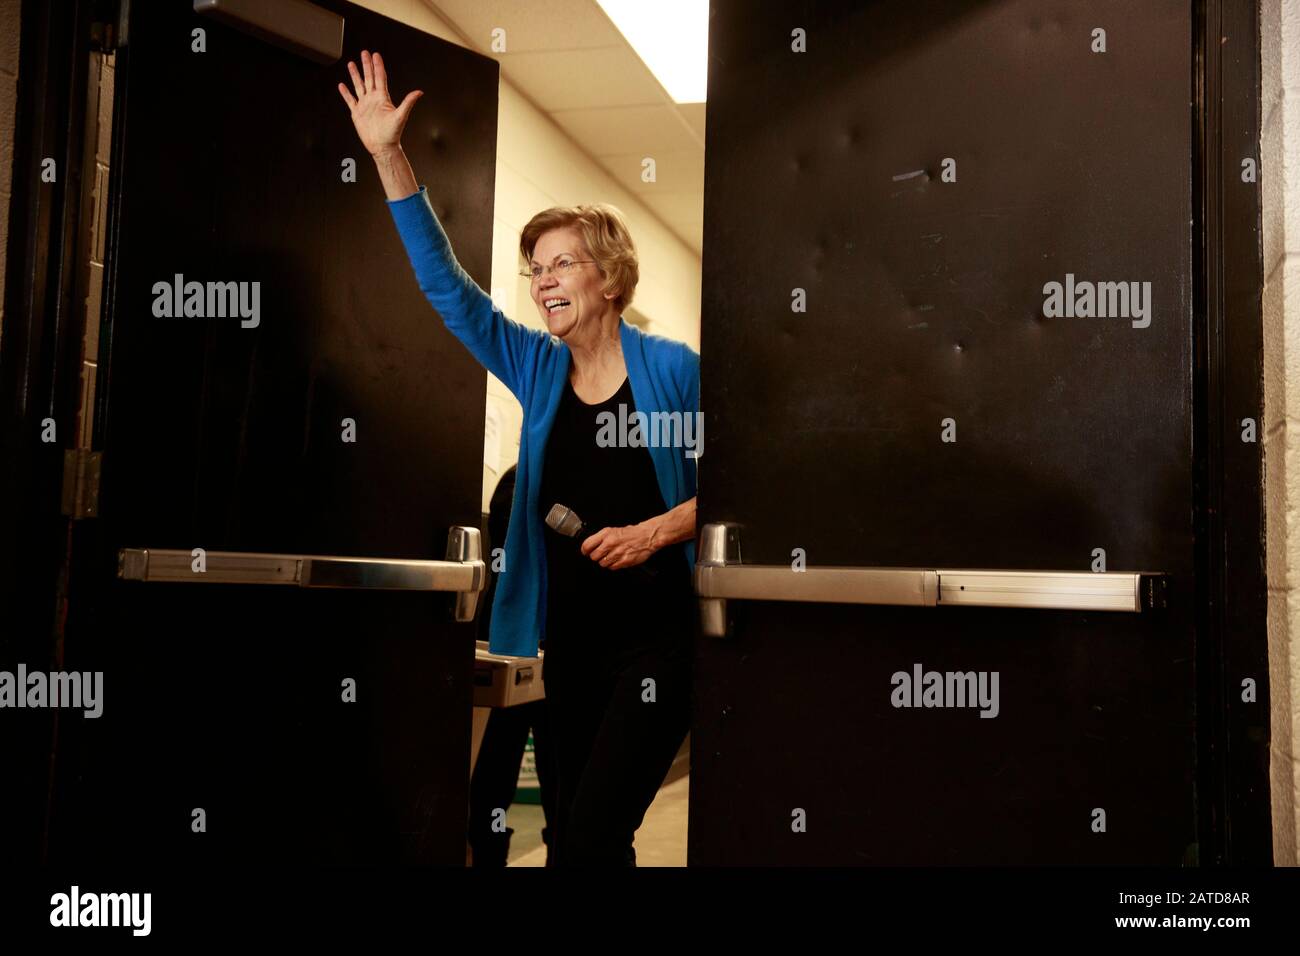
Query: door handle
[[462, 572], [721, 575]]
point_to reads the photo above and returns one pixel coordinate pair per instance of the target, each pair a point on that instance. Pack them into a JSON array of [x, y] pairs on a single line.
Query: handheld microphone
[[565, 521]]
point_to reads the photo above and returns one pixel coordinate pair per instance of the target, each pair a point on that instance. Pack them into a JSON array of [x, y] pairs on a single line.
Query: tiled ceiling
[[572, 63]]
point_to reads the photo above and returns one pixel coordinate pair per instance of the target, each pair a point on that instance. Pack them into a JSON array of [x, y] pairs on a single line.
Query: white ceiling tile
[[531, 25], [678, 207], [694, 114], [576, 79], [611, 131], [568, 60], [679, 170]]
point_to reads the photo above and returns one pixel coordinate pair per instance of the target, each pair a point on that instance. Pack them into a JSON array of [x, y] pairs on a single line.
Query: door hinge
[[81, 483], [101, 37], [108, 25]]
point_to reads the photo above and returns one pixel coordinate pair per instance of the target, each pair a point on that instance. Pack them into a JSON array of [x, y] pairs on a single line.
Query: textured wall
[[1280, 178]]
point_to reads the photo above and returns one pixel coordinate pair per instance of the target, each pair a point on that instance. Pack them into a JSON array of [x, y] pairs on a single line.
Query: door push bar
[[720, 575], [463, 572]]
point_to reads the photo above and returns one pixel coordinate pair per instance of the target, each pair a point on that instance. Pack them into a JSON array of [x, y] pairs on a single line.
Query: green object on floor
[[527, 790]]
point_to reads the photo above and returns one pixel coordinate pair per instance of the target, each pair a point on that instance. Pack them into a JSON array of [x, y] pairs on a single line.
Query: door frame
[[40, 363], [1235, 820]]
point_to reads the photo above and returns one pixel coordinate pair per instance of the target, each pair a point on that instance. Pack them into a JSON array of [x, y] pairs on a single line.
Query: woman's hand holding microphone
[[379, 123], [624, 547], [613, 547]]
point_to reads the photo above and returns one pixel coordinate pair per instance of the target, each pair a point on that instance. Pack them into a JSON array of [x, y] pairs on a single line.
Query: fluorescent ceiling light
[[672, 38]]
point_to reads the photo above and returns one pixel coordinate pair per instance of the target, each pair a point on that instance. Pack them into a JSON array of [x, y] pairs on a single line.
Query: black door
[[328, 723], [889, 383]]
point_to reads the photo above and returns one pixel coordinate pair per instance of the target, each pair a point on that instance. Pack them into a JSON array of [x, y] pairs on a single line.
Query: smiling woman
[[579, 305], [597, 234], [618, 645]]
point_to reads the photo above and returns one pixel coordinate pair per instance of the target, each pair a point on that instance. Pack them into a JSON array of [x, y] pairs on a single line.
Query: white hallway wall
[[1280, 180], [539, 166]]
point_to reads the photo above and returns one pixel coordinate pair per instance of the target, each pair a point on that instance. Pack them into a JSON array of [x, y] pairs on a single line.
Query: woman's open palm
[[379, 123]]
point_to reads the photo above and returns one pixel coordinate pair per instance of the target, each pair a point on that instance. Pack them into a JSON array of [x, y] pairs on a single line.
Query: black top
[[606, 487], [498, 525]]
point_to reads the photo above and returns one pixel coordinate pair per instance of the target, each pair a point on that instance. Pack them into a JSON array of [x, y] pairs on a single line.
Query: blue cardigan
[[534, 365]]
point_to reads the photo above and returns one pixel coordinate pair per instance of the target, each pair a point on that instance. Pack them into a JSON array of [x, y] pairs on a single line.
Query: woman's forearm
[[395, 173], [673, 526]]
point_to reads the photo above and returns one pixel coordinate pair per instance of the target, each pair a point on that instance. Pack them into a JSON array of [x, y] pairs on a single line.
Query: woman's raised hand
[[379, 123]]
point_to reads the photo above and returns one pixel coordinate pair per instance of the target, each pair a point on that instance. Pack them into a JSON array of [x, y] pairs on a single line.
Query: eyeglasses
[[563, 267]]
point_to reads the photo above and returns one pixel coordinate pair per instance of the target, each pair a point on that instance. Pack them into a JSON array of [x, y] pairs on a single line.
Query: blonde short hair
[[608, 240]]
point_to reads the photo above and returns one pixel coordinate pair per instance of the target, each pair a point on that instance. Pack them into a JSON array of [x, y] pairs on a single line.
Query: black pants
[[614, 736], [496, 775]]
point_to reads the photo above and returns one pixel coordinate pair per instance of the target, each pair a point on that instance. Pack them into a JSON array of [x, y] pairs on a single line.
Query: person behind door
[[494, 782], [617, 610]]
